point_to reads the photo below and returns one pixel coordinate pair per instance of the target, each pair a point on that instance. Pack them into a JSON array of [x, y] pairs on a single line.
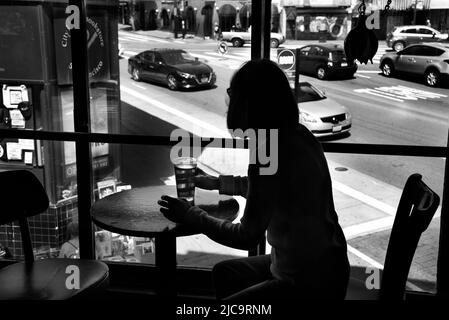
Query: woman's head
[[261, 98]]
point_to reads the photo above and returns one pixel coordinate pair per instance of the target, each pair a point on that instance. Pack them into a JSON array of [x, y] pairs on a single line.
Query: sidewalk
[[164, 34]]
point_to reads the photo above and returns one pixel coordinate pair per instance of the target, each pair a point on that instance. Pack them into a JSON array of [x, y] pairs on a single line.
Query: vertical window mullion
[[260, 29], [443, 247], [81, 113]]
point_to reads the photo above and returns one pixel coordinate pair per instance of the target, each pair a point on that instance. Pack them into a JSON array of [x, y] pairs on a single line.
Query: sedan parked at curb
[[431, 61], [321, 115], [173, 67]]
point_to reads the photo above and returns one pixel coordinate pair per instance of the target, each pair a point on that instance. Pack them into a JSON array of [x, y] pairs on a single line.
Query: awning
[[401, 4], [227, 10], [245, 10], [290, 13]]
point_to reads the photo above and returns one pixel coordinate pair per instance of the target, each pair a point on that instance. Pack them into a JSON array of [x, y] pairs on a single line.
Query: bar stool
[[23, 196]]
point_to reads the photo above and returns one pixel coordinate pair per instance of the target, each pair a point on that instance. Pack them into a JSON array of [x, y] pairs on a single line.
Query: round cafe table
[[136, 213]]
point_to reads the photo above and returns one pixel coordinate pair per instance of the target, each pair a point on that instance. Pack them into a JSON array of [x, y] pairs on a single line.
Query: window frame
[[82, 137]]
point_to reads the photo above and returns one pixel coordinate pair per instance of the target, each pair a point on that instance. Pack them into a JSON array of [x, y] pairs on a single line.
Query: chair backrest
[[416, 209], [22, 196]]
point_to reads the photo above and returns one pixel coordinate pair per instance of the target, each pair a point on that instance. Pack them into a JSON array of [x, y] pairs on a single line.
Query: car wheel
[[321, 73], [274, 43], [237, 42], [387, 68], [136, 74], [432, 78], [398, 46], [171, 82]]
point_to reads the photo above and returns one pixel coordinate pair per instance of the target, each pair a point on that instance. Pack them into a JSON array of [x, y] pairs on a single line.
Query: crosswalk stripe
[[215, 61], [229, 56], [143, 38]]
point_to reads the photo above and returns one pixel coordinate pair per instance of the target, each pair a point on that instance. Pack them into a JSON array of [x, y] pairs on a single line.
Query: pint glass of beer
[[185, 170]]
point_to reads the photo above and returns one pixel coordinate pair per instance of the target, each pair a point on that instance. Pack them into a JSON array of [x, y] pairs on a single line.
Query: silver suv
[[430, 60], [401, 37]]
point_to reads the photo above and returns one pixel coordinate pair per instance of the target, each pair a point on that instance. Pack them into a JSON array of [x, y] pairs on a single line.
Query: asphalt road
[[384, 110]]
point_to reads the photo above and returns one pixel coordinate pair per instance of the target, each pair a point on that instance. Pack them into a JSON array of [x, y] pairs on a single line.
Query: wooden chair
[[23, 196], [416, 209]]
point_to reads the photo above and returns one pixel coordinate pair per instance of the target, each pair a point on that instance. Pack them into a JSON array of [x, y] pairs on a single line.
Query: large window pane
[[367, 204]]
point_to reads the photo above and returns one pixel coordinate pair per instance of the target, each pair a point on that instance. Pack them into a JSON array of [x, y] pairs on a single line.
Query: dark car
[[324, 61], [173, 67]]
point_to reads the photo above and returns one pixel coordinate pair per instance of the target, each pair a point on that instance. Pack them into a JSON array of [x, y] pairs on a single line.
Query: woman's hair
[[72, 230], [261, 98]]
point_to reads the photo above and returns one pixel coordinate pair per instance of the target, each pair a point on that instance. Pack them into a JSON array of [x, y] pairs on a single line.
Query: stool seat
[[46, 279]]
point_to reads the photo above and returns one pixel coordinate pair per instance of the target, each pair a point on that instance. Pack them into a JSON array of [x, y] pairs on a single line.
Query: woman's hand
[[206, 181], [175, 209]]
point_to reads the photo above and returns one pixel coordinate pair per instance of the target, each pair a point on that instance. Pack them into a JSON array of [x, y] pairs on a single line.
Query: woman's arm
[[233, 186], [230, 185], [262, 202]]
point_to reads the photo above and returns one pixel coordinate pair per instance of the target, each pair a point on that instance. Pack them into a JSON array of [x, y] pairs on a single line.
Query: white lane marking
[[133, 39], [362, 76], [176, 112], [364, 257], [368, 71], [364, 198], [422, 92], [229, 56], [373, 92], [143, 38], [179, 41], [138, 86], [400, 93], [368, 227], [215, 61], [378, 265], [202, 56]]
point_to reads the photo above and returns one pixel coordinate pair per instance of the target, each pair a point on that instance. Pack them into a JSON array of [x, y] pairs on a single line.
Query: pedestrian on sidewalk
[[176, 26], [216, 31], [183, 28], [294, 204]]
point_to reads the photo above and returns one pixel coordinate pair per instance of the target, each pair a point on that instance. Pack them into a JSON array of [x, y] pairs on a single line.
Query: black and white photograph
[[225, 159]]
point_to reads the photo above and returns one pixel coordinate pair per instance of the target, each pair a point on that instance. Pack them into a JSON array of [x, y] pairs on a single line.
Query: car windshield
[[307, 92], [177, 57]]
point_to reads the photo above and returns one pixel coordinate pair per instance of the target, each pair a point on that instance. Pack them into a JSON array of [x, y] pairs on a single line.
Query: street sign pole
[[296, 73]]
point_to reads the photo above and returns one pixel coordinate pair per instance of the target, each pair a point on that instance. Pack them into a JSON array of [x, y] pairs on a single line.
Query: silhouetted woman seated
[[294, 205]]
